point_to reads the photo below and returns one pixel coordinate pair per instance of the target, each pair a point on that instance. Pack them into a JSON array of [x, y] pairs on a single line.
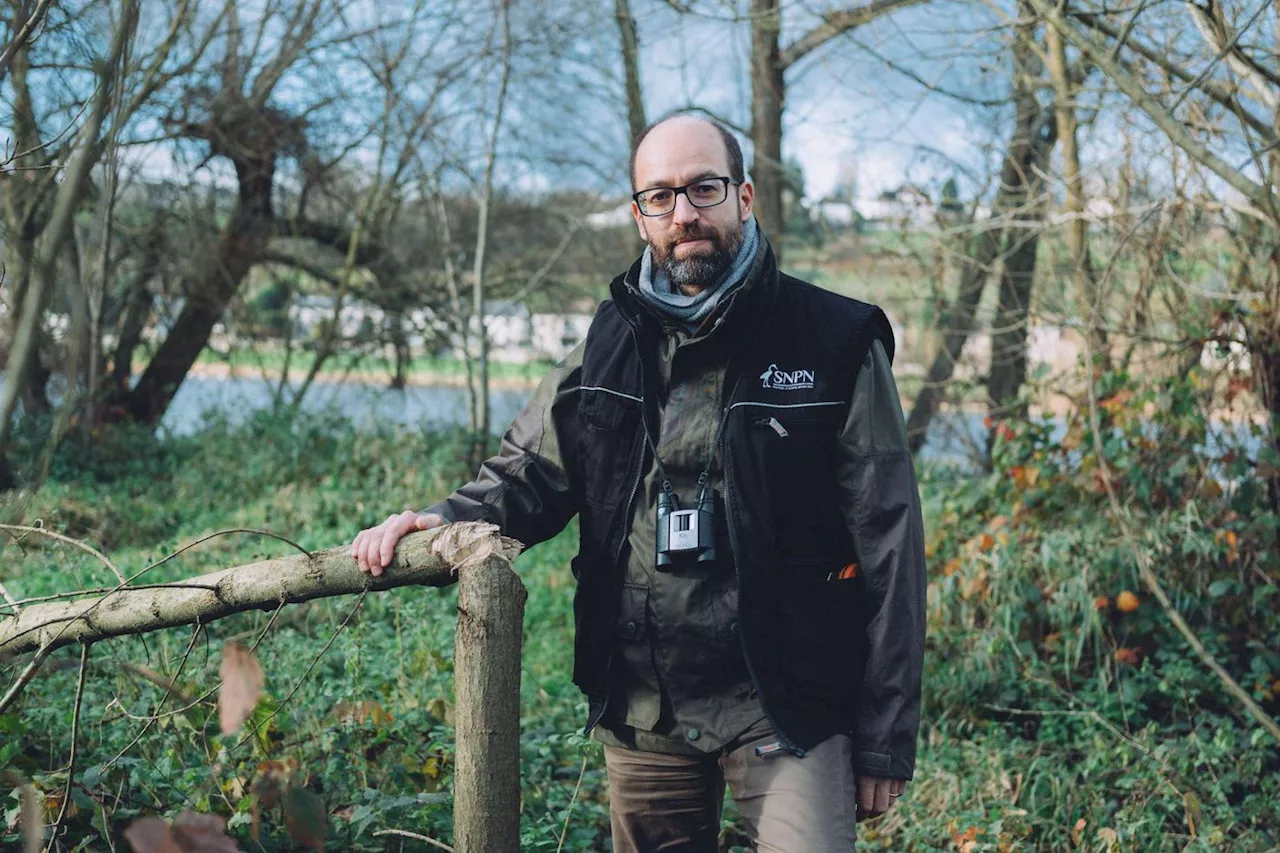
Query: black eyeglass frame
[[685, 189]]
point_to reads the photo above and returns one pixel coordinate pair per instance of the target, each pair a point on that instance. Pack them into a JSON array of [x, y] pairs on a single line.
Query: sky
[[845, 109]]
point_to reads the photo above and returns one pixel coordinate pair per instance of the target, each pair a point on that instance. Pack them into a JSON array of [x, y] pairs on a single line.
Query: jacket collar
[[742, 314]]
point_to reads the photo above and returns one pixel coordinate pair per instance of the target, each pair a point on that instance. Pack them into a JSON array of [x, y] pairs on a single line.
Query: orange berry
[[1126, 602]]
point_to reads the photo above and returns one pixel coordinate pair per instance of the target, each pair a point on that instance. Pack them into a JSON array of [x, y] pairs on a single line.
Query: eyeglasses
[[659, 201]]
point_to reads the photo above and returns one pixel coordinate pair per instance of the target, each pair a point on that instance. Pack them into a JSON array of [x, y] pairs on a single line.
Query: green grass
[[1166, 751]]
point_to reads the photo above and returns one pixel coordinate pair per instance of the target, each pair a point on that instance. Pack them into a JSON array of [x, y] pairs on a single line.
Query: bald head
[[694, 238], [676, 139]]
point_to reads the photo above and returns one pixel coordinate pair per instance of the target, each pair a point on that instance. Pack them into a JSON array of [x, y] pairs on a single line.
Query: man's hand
[[876, 794], [374, 546]]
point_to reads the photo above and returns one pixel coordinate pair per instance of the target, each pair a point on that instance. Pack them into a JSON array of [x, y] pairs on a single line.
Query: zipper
[[787, 743], [626, 515], [773, 424]]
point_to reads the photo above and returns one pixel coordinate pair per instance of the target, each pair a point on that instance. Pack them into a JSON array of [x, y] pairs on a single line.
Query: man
[[750, 605]]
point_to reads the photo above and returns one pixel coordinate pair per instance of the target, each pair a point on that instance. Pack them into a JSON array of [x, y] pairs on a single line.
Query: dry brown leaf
[[242, 681], [202, 833], [191, 832], [304, 817], [151, 835]]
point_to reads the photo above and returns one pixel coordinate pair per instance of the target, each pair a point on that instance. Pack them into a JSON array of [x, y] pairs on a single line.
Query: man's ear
[[639, 218], [746, 198]]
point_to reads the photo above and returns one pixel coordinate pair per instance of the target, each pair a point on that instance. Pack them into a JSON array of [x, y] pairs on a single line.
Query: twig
[[25, 678], [165, 698], [414, 835], [1142, 559], [71, 761], [191, 703], [9, 599], [33, 21], [305, 675], [1100, 720], [146, 672], [564, 831], [76, 542], [216, 533]]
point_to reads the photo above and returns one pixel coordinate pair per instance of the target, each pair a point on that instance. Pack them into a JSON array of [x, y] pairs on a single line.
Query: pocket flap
[[633, 612]]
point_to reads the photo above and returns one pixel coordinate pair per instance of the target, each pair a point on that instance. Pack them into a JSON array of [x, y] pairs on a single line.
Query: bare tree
[[1001, 239], [770, 62], [1222, 68]]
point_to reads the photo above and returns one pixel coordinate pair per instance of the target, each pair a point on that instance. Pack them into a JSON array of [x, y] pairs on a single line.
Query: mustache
[[695, 232]]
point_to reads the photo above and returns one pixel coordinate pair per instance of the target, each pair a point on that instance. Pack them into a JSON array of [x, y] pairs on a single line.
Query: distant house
[[517, 335], [907, 207]]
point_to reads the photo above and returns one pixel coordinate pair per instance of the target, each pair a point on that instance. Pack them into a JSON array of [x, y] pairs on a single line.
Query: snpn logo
[[782, 380]]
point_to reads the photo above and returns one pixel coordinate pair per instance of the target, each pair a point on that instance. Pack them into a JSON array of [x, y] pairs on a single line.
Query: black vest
[[796, 354]]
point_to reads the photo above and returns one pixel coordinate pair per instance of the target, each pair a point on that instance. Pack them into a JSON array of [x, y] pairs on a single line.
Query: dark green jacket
[[817, 477]]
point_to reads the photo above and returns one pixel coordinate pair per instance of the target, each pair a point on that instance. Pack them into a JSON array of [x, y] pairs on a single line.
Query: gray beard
[[701, 270]]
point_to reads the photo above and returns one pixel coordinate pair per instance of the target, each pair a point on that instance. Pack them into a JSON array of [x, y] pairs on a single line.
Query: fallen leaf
[[190, 833], [1076, 830], [242, 681], [202, 833], [151, 835], [1131, 656], [304, 816]]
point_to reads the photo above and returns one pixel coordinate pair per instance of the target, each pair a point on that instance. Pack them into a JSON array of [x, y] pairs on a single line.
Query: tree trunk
[[400, 345], [133, 319], [61, 219], [1029, 146], [1009, 337], [636, 121], [956, 324], [486, 792], [768, 96], [1021, 238], [481, 424], [1077, 228], [241, 245]]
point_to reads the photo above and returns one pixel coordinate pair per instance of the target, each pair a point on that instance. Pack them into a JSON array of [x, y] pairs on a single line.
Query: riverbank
[[501, 381]]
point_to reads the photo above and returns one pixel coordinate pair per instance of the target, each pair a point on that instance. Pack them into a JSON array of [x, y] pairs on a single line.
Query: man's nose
[[684, 212]]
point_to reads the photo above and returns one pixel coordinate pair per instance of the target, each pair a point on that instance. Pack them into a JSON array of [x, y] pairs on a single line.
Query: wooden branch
[[429, 558], [1178, 132], [1212, 88], [836, 23], [33, 20]]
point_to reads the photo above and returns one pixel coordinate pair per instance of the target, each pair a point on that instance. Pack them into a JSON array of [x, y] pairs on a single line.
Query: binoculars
[[686, 534]]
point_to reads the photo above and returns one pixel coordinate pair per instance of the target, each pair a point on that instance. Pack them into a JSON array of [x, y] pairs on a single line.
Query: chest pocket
[[797, 446], [605, 409], [611, 421]]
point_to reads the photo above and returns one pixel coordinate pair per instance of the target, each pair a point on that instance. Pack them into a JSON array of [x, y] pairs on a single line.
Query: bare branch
[[75, 739], [835, 23], [1176, 130], [28, 27], [76, 542]]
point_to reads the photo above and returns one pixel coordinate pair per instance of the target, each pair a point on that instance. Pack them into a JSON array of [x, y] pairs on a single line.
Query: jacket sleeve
[[881, 504], [529, 488]]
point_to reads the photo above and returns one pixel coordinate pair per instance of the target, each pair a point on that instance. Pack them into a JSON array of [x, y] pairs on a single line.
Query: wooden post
[[486, 661]]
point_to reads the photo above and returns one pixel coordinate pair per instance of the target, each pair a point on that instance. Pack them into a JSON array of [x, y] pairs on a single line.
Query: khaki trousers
[[660, 802]]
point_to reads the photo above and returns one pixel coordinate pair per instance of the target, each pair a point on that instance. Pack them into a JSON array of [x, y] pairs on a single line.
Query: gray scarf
[[689, 311]]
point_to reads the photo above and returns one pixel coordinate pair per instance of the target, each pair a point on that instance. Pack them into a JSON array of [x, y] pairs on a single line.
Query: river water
[[952, 436]]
